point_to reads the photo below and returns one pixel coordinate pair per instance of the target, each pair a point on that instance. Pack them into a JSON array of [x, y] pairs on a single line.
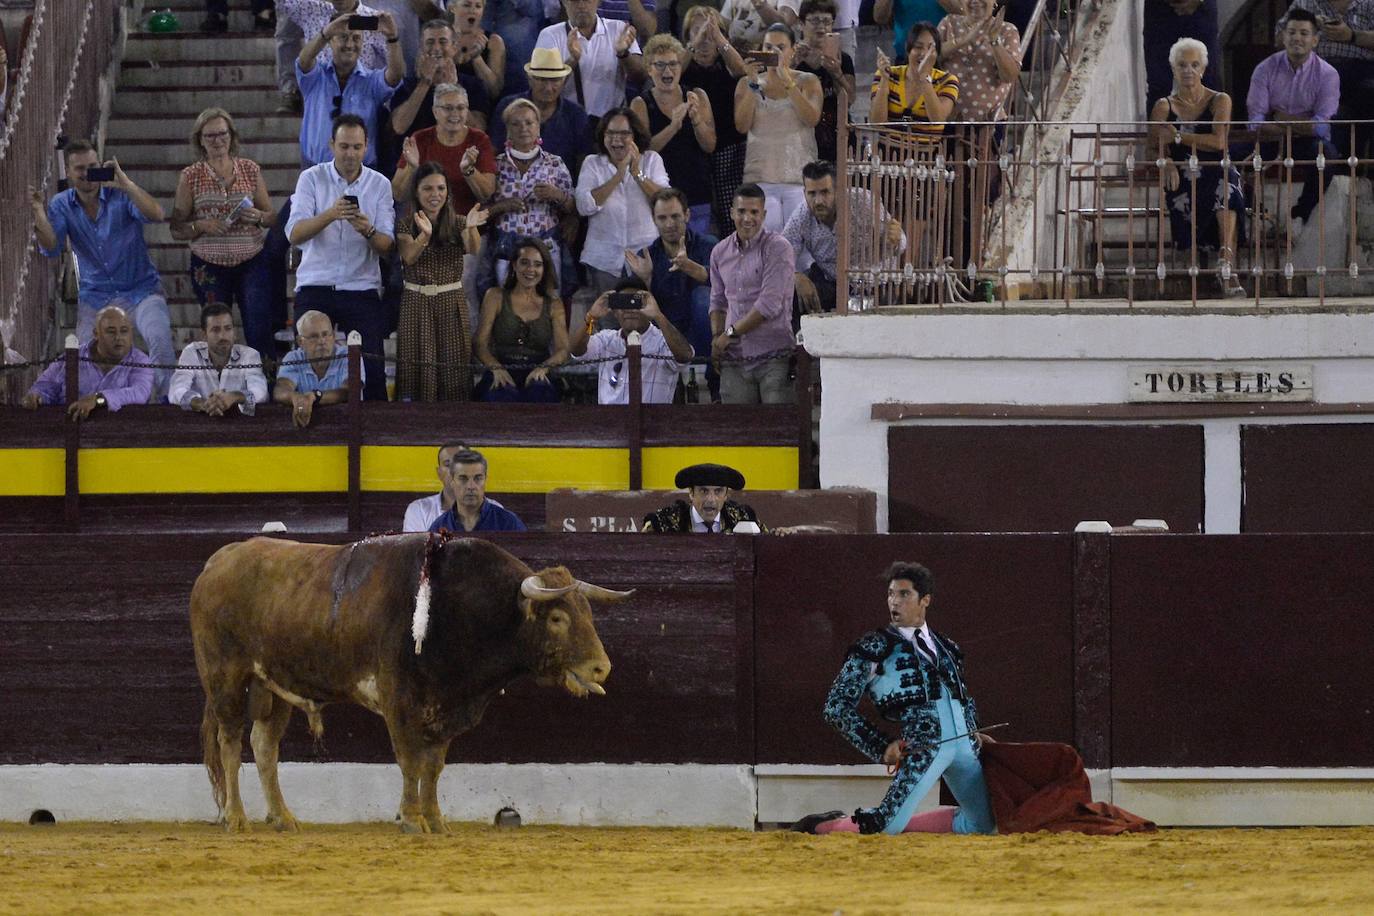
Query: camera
[[100, 173], [363, 23], [623, 300]]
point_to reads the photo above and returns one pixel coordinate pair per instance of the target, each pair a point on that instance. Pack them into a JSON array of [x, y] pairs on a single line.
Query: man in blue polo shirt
[[471, 510], [315, 374], [104, 223], [676, 269]]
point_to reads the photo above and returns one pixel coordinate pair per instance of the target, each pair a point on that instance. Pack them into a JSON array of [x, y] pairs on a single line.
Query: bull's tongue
[[576, 684]]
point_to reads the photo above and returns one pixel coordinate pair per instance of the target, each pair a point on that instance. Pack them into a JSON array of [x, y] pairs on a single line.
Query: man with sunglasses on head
[[344, 86]]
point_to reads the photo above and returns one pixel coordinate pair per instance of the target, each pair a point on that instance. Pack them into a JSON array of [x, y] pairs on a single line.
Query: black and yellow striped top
[[913, 110]]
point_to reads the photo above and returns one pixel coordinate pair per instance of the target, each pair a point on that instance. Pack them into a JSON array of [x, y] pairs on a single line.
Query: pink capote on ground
[[1042, 786]]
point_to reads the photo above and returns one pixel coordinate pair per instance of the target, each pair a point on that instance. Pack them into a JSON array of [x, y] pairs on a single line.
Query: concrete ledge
[[661, 795], [1247, 796]]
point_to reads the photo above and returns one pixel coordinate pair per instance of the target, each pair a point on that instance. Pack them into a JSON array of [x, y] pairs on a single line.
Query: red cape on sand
[[1042, 786]]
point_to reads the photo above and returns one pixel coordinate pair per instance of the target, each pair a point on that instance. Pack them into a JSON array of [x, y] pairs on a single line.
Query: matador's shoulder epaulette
[[873, 646]]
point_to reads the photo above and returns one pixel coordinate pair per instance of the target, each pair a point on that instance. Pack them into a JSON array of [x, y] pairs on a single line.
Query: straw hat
[[547, 63]]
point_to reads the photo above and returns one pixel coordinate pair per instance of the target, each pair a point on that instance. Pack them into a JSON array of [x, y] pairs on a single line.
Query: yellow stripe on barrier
[[32, 472], [234, 469], [410, 468], [763, 467]]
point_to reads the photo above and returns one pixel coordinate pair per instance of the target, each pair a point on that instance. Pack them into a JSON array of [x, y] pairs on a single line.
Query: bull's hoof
[[237, 823], [417, 825], [437, 824], [286, 823]]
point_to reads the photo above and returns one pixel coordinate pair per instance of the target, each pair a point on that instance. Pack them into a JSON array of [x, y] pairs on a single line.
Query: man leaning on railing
[[112, 372], [1294, 93]]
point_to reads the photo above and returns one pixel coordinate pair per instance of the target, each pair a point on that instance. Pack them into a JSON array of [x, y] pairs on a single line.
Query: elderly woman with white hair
[[1192, 123]]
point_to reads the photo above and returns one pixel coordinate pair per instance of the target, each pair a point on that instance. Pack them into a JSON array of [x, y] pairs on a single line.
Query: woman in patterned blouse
[[916, 93], [222, 208], [534, 192]]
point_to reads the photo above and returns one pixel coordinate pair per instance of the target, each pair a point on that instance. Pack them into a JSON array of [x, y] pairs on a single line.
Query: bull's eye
[[559, 621]]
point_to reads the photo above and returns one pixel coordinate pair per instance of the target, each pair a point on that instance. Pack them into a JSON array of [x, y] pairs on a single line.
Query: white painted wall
[[1061, 358]]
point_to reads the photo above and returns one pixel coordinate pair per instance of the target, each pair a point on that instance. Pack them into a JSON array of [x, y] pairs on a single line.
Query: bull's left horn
[[534, 589], [601, 594]]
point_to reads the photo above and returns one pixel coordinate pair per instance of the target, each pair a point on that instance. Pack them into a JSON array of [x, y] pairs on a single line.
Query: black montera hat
[[709, 475]]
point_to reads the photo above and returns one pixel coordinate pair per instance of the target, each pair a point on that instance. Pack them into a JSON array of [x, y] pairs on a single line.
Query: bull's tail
[[209, 742]]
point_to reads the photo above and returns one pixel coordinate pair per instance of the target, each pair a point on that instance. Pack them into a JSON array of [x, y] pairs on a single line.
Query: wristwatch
[[731, 333], [100, 401]]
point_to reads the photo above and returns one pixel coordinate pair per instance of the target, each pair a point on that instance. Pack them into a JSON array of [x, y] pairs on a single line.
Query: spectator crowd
[[515, 186]]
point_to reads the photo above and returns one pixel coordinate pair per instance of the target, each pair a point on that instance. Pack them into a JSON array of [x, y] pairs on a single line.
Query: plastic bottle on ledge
[[693, 390]]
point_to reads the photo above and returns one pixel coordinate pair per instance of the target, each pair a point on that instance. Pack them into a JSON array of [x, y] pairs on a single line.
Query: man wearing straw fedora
[[564, 128]]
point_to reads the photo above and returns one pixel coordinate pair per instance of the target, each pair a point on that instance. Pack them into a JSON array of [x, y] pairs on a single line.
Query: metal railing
[[1094, 217], [1050, 48], [57, 91]]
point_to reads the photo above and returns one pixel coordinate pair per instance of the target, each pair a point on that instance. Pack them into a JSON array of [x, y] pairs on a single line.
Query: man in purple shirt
[[1296, 92], [108, 375], [751, 307]]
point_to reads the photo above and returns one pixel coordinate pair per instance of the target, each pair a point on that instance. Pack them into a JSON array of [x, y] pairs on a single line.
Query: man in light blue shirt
[[344, 86], [104, 223], [343, 219], [315, 374]]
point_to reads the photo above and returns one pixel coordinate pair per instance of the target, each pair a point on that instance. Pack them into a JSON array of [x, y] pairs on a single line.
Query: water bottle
[[693, 392]]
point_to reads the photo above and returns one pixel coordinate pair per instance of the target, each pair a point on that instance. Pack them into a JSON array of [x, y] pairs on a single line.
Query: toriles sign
[[1220, 382]]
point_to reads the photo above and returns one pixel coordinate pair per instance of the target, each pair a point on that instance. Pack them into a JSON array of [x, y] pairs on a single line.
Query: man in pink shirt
[[751, 307]]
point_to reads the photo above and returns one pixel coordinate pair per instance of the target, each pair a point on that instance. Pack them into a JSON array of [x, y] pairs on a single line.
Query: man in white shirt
[[601, 52], [343, 219], [663, 349], [216, 375]]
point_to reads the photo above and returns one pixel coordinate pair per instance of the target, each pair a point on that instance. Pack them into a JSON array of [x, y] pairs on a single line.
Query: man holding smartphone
[[343, 220], [102, 214], [344, 86], [662, 346]]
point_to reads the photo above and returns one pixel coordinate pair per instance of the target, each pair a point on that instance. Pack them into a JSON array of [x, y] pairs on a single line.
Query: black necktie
[[923, 647]]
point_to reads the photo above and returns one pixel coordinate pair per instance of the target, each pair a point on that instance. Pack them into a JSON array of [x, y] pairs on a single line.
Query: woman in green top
[[522, 332]]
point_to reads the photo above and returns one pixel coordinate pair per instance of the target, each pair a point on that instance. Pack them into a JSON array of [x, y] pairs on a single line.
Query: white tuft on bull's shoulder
[[419, 624]]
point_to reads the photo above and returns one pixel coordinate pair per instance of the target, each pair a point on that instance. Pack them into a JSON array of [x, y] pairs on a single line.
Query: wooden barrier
[[1164, 650], [841, 510]]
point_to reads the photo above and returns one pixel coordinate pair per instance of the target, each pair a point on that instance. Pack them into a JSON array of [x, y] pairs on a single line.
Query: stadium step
[[196, 46], [196, 73], [189, 101], [160, 180], [159, 153], [250, 127]]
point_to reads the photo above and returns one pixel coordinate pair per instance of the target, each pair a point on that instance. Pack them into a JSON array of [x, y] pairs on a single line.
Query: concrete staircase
[[168, 79]]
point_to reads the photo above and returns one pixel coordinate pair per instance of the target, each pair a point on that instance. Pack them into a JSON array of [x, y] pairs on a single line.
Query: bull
[[421, 631]]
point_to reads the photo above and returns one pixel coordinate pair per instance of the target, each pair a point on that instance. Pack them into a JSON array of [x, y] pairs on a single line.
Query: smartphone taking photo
[[100, 173], [767, 58], [621, 301], [363, 23]]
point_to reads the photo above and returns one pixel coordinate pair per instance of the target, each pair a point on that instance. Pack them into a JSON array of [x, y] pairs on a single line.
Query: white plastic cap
[[632, 339], [274, 527], [746, 528], [1093, 528], [1153, 524], [72, 342], [355, 339]]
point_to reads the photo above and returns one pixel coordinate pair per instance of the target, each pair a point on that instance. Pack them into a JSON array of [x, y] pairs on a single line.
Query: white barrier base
[[661, 795]]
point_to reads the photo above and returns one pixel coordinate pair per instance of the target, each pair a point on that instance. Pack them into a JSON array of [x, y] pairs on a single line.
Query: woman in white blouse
[[613, 192]]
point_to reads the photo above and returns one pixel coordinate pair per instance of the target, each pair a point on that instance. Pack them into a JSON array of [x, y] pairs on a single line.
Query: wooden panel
[[1005, 600], [1042, 478], [98, 664], [1246, 650], [1302, 477]]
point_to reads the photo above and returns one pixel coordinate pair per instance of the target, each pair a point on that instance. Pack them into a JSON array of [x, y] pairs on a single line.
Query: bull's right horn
[[534, 589], [601, 593]]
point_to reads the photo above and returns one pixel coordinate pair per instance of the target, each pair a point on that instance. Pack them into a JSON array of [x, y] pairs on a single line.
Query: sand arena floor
[[479, 869]]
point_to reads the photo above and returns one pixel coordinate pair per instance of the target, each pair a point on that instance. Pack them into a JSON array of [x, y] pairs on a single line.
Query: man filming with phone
[[102, 214], [662, 346], [343, 219]]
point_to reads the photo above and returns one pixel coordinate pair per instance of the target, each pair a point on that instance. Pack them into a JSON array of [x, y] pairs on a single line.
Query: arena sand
[[479, 869]]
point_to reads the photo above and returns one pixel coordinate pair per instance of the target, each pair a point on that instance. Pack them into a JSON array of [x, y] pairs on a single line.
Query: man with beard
[[676, 268], [811, 233], [109, 374], [708, 508], [215, 375]]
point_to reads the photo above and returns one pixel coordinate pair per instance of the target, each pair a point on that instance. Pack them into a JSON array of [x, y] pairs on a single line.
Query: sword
[[902, 745]]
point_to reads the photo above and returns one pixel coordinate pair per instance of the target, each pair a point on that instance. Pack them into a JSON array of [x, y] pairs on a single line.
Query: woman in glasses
[[222, 208], [714, 66], [819, 54], [613, 192], [679, 125]]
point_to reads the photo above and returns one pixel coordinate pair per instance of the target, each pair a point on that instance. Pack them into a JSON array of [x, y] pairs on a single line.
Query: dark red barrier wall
[[1042, 478], [97, 663], [1006, 599], [1247, 650], [1308, 477]]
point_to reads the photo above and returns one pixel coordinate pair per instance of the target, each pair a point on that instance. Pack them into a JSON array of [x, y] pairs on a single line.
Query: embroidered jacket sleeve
[[842, 703]]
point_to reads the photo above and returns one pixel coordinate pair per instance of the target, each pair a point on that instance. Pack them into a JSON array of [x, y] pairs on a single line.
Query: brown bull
[[279, 624]]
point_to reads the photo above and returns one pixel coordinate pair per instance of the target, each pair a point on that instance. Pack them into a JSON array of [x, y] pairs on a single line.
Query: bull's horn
[[533, 588], [603, 594]]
